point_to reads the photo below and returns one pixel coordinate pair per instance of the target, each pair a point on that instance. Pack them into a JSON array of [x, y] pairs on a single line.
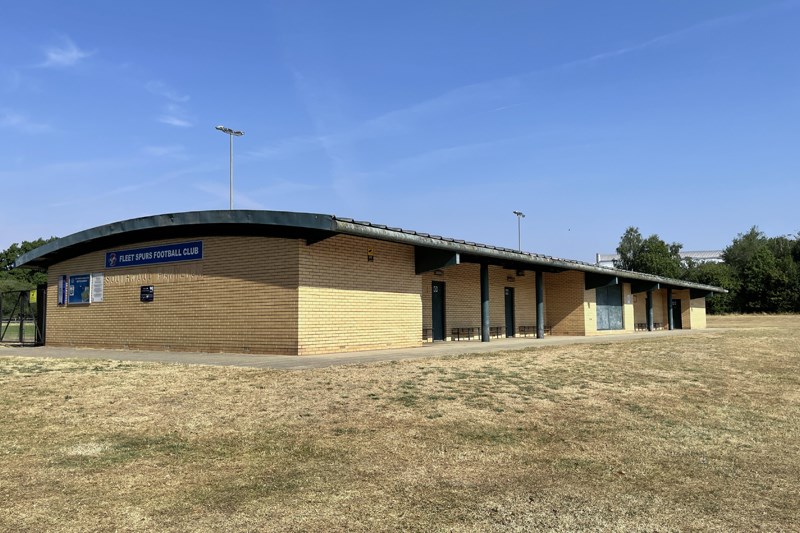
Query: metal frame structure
[[22, 312]]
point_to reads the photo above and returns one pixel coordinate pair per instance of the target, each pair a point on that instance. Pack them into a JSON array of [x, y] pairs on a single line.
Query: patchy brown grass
[[752, 321], [688, 432]]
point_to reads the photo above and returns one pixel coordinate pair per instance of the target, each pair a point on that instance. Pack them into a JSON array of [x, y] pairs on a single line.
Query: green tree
[[17, 279], [629, 249], [743, 248], [651, 255], [767, 271], [760, 279], [796, 249], [718, 275], [786, 275]]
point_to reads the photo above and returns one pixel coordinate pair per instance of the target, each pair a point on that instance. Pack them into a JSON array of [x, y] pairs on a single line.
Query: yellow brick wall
[[349, 303], [241, 297], [659, 307], [462, 294], [639, 307], [627, 310], [697, 314], [463, 297], [564, 308], [590, 311]]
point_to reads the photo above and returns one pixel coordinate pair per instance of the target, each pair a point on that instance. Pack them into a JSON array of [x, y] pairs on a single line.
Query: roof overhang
[[313, 227], [432, 251]]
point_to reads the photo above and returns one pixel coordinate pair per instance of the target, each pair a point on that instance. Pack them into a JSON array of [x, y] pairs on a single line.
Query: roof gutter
[[534, 260]]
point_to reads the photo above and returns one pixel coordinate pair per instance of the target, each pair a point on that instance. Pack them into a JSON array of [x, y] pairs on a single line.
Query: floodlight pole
[[230, 133], [520, 216]]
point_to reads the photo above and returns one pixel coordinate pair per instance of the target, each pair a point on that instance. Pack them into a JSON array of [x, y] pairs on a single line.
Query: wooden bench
[[459, 333], [524, 331], [427, 334], [642, 326], [496, 331]]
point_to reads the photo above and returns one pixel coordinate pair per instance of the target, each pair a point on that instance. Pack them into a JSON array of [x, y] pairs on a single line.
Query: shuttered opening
[[609, 307]]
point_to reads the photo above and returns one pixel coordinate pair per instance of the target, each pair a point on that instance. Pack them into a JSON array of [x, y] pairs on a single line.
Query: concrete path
[[293, 362]]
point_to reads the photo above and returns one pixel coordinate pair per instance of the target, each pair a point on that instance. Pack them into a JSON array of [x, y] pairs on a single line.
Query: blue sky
[[678, 117]]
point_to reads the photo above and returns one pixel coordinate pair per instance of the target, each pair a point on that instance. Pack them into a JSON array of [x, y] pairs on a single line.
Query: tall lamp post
[[231, 134], [520, 216]]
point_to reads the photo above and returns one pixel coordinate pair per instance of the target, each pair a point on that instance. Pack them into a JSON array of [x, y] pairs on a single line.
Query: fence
[[22, 317]]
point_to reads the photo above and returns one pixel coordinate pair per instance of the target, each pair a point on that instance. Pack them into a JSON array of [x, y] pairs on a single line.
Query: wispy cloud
[[326, 110], [494, 94], [336, 136], [174, 121], [677, 35], [173, 112], [159, 88], [20, 122], [174, 151], [283, 187], [240, 200], [441, 156], [84, 200], [175, 115], [285, 148], [57, 172], [65, 55], [86, 167]]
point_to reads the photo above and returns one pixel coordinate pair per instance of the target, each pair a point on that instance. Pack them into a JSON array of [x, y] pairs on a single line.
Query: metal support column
[[24, 305], [484, 302], [649, 307], [539, 305], [41, 313], [670, 318]]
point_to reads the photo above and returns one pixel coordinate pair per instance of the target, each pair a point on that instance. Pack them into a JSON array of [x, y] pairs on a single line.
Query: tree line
[[761, 274], [20, 279], [17, 279]]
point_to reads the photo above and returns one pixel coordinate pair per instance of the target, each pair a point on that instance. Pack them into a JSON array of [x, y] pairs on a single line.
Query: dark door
[[676, 314], [609, 307], [510, 326], [437, 310]]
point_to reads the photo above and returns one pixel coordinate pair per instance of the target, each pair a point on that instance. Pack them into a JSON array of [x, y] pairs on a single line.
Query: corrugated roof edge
[[316, 221], [350, 226]]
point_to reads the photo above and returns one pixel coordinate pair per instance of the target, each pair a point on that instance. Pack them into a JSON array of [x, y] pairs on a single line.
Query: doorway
[[677, 321], [510, 322], [437, 310]]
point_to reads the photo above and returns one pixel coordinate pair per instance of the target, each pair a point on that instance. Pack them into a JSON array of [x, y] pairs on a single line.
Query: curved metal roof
[[312, 227]]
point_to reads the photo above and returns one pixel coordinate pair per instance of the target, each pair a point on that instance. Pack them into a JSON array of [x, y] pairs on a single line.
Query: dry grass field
[[692, 432]]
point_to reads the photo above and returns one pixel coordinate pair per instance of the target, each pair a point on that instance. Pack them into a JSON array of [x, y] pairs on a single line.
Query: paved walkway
[[293, 362]]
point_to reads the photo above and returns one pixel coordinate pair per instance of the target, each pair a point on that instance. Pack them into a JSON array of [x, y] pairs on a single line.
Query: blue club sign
[[166, 253]]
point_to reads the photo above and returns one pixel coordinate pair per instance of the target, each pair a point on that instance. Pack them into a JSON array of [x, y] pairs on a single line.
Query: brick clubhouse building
[[301, 283]]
